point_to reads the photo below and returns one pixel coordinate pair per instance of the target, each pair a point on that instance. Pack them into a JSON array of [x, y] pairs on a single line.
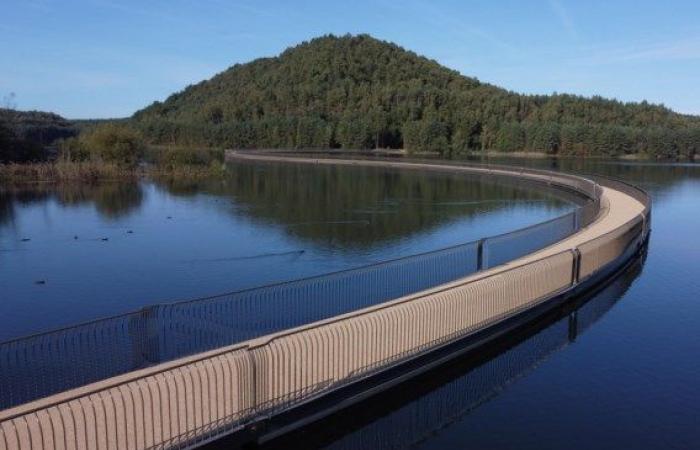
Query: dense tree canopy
[[24, 134], [42, 128], [359, 92]]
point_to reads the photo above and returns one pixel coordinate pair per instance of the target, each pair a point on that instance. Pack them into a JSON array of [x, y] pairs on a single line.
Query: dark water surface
[[621, 371], [76, 252]]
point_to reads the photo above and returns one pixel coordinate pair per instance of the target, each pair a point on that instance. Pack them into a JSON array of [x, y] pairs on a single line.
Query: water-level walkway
[[41, 365]]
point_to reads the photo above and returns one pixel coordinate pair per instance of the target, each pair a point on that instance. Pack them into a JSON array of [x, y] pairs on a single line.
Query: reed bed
[[89, 171]]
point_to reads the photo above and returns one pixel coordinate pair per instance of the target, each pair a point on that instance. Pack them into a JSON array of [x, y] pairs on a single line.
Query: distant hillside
[[359, 92], [40, 127], [25, 134]]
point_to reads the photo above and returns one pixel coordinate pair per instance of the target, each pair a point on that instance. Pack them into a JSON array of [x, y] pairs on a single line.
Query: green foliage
[[354, 132], [466, 135], [510, 137], [359, 92], [25, 134], [115, 143], [430, 135], [312, 132], [543, 137], [37, 127], [73, 149]]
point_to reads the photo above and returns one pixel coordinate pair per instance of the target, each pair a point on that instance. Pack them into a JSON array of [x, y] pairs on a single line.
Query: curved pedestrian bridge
[[282, 379]]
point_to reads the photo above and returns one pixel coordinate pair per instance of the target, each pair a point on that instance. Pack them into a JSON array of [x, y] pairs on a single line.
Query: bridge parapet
[[47, 363]]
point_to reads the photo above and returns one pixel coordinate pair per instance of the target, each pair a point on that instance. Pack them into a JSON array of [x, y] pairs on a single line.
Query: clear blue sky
[[108, 58]]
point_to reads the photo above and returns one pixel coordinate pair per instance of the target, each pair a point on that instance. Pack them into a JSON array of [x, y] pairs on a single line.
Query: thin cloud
[[565, 18]]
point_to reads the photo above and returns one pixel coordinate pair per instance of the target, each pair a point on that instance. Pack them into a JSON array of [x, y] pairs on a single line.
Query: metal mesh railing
[[449, 397], [40, 365], [509, 246]]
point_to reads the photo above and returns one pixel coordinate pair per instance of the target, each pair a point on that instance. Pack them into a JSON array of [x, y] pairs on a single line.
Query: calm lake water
[[622, 371], [72, 253]]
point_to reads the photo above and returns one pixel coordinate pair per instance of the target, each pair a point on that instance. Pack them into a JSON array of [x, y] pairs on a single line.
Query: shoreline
[[61, 171]]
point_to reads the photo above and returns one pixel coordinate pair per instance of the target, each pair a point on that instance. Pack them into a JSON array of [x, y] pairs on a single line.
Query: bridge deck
[[621, 209]]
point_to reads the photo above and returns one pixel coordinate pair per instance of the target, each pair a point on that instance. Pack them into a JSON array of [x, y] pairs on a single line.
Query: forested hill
[[24, 134], [359, 92], [39, 127]]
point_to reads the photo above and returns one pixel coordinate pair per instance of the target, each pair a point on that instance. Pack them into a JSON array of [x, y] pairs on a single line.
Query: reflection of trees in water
[[111, 199], [115, 200], [344, 205], [412, 412], [314, 196], [358, 205], [7, 207], [10, 197]]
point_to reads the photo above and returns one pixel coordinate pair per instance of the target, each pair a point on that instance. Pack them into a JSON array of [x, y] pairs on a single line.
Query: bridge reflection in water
[[421, 407]]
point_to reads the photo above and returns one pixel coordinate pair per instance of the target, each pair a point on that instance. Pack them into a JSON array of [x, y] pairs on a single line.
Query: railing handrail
[[255, 288], [128, 377], [262, 340], [645, 197], [116, 381]]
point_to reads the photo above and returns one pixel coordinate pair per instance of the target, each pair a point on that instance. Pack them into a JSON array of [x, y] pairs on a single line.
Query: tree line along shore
[[339, 92]]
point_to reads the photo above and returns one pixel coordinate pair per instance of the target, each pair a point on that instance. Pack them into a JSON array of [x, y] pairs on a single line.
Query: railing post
[[573, 326], [480, 255], [576, 267], [254, 384], [152, 336]]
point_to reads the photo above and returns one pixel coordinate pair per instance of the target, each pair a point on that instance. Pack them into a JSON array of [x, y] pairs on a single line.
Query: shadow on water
[[420, 408]]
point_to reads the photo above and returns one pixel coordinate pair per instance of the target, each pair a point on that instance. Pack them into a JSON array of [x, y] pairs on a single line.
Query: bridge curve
[[268, 380]]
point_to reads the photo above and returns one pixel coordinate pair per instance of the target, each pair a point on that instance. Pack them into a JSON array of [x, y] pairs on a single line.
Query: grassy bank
[[107, 152], [64, 171], [98, 171], [156, 162]]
